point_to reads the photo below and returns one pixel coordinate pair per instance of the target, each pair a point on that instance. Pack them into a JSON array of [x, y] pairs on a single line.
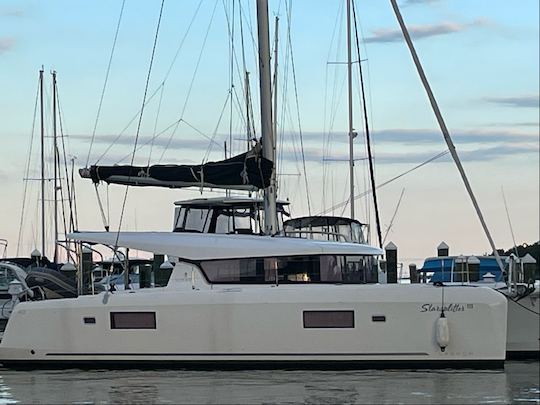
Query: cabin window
[[224, 222], [179, 222], [133, 320], [197, 220], [292, 269], [328, 319]]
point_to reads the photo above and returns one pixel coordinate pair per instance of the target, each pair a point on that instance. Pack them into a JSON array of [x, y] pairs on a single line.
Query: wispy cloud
[[385, 35], [526, 101], [474, 145], [6, 43], [480, 136], [472, 155], [11, 12], [432, 136]]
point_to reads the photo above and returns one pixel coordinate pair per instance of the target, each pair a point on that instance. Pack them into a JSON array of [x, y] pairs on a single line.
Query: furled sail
[[248, 171]]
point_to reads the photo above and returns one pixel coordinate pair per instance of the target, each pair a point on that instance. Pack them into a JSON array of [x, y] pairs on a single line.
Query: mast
[[351, 134], [55, 154], [42, 163], [444, 130], [274, 95], [268, 146]]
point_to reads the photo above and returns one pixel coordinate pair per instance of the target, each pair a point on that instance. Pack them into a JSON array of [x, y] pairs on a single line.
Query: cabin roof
[[321, 220], [225, 201], [195, 246]]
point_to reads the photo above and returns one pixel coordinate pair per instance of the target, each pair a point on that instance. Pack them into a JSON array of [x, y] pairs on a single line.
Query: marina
[[223, 254]]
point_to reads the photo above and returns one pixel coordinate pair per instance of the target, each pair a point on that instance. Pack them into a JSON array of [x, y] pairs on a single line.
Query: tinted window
[[133, 320], [292, 269], [328, 319]]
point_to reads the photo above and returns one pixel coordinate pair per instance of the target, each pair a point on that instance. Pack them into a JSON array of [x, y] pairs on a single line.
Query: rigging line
[[368, 140], [298, 112], [201, 133], [139, 124], [254, 46], [230, 29], [363, 194], [27, 172], [74, 196], [56, 155], [162, 84], [444, 130], [128, 125], [105, 82], [393, 216], [182, 42], [155, 125], [509, 221], [212, 140], [232, 54], [326, 114], [192, 80], [165, 130], [247, 93], [62, 138]]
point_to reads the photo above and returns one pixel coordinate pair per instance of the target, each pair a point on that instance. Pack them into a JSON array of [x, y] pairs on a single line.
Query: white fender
[[443, 332]]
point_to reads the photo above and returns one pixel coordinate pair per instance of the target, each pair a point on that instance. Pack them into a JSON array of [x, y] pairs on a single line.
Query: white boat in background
[[519, 284], [237, 301]]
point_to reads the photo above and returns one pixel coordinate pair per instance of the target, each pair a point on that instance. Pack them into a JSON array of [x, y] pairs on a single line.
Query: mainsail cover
[[248, 171]]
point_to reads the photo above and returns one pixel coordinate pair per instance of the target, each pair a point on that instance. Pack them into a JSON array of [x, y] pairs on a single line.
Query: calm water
[[518, 383]]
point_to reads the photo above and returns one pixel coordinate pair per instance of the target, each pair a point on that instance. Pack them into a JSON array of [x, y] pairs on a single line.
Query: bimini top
[[194, 246]]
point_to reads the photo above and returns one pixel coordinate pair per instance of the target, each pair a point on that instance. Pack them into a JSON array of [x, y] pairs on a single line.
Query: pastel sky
[[481, 57]]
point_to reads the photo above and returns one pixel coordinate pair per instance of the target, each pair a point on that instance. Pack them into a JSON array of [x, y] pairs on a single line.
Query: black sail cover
[[248, 171]]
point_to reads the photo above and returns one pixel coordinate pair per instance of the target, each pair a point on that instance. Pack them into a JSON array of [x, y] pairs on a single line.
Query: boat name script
[[446, 308]]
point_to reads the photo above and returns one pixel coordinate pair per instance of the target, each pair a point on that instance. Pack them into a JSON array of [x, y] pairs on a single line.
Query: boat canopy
[[194, 246], [249, 171]]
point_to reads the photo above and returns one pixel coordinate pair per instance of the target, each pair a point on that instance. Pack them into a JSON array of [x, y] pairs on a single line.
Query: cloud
[[528, 101], [12, 12], [430, 136], [385, 35], [423, 136], [471, 155], [474, 145], [6, 43]]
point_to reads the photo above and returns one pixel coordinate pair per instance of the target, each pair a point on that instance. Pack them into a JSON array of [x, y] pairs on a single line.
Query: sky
[[481, 58]]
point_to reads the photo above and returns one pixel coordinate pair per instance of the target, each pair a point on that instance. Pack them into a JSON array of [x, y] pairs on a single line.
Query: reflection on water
[[518, 383]]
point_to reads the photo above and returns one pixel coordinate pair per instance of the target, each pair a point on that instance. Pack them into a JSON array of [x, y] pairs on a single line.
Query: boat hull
[[263, 327], [524, 327]]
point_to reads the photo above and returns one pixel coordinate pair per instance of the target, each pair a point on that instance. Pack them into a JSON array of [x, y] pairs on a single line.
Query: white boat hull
[[262, 326], [523, 340]]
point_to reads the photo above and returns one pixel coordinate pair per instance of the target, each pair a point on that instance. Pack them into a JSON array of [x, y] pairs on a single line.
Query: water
[[518, 383]]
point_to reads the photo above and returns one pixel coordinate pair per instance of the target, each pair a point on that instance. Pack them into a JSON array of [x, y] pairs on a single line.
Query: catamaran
[[260, 301], [236, 301]]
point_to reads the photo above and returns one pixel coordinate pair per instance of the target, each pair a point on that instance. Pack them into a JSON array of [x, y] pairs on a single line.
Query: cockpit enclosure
[[224, 215], [330, 269], [336, 229]]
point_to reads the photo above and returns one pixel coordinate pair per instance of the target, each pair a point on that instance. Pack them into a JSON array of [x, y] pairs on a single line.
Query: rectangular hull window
[[328, 319], [133, 320]]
